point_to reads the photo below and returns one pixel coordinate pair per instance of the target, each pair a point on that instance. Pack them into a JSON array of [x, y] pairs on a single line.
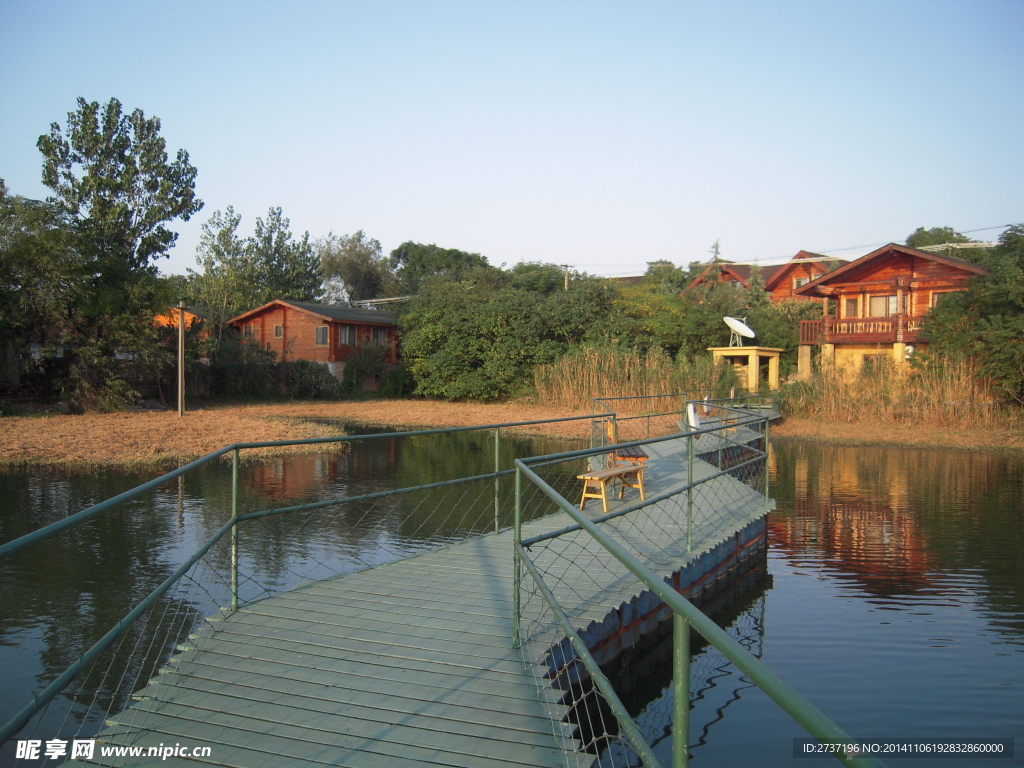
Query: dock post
[[689, 491], [767, 421], [234, 530], [517, 564], [497, 480], [681, 693]]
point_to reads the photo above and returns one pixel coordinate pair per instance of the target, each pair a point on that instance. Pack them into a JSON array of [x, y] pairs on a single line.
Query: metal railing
[[553, 612], [212, 579]]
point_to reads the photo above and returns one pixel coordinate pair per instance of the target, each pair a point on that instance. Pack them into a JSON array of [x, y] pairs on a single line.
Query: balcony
[[861, 330]]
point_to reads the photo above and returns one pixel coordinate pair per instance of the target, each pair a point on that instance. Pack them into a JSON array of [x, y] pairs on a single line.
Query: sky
[[602, 135]]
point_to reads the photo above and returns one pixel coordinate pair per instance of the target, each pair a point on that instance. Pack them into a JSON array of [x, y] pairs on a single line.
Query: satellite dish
[[740, 330]]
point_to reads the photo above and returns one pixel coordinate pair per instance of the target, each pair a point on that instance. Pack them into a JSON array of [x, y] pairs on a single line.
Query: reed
[[941, 394], [574, 380]]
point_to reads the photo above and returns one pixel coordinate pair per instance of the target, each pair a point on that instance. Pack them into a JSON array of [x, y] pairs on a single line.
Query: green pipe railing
[[685, 616], [8, 549]]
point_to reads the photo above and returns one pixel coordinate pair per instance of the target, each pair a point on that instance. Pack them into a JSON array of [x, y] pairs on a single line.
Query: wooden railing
[[884, 330]]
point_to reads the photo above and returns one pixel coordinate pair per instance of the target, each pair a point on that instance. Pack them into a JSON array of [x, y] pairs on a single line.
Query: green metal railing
[[651, 426], [685, 615], [230, 529]]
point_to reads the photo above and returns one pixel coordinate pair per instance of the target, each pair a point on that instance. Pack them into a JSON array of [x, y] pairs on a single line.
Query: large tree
[[354, 267], [110, 172], [413, 262], [113, 182]]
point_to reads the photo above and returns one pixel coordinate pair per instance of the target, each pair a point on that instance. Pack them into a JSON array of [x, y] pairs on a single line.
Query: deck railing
[[220, 575], [869, 330], [543, 615]]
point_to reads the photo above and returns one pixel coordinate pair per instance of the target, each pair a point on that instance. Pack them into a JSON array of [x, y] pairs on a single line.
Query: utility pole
[[566, 276], [181, 359]]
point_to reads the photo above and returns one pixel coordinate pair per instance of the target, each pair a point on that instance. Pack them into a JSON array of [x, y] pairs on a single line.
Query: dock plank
[[411, 662]]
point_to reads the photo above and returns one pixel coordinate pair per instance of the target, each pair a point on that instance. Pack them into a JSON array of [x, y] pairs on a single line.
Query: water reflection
[[896, 605], [58, 598]]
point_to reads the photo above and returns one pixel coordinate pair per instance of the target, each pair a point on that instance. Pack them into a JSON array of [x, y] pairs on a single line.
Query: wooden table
[[595, 484]]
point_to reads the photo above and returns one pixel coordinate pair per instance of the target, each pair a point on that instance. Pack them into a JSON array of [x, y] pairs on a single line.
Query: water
[[895, 603], [894, 598]]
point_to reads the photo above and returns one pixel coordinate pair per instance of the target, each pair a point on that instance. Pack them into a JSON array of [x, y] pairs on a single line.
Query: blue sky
[[600, 135]]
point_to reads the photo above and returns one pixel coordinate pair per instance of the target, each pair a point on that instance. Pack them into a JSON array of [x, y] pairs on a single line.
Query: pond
[[894, 598], [894, 602]]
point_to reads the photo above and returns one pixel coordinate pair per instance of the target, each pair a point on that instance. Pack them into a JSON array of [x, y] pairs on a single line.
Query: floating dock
[[413, 661]]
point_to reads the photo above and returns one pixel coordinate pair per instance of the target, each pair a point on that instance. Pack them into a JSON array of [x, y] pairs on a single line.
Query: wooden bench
[[630, 455], [595, 484]]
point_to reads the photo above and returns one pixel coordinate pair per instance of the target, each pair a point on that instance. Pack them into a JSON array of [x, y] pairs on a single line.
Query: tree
[[41, 279], [110, 173], [922, 237], [111, 179], [226, 282], [284, 268], [240, 274], [412, 262], [985, 323], [354, 267]]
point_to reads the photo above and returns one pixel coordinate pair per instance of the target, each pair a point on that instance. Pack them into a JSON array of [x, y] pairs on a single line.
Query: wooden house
[[804, 268], [873, 306], [324, 333], [780, 280], [734, 275]]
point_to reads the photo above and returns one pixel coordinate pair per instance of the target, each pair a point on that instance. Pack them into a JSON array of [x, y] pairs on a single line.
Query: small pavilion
[[750, 362]]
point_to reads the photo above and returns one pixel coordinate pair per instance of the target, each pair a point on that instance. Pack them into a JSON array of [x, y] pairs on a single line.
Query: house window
[[278, 331], [882, 306], [815, 277], [799, 282], [347, 335], [250, 331], [938, 296], [380, 336], [321, 335], [850, 307]]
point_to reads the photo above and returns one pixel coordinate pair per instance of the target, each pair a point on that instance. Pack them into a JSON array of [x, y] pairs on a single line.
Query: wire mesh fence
[[704, 489]]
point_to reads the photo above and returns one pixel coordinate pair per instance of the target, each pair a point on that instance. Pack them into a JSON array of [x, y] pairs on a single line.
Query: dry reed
[[943, 394], [575, 380]]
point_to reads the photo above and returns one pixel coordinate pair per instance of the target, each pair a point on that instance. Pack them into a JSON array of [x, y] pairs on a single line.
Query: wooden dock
[[410, 662]]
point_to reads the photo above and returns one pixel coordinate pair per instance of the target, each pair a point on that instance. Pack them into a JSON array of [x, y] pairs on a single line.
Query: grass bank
[[149, 438], [160, 438]]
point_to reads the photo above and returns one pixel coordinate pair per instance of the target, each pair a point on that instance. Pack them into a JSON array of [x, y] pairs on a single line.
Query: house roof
[[802, 256], [847, 272], [739, 272], [340, 312]]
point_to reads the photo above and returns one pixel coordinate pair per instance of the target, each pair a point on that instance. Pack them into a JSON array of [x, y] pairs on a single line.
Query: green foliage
[[413, 262], [111, 175], [354, 267], [308, 380], [479, 338], [922, 237], [240, 274], [82, 263], [985, 324], [665, 277]]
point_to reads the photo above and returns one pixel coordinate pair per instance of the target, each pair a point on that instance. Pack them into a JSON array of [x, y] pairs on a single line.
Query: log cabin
[[804, 268], [324, 333], [780, 280], [878, 301]]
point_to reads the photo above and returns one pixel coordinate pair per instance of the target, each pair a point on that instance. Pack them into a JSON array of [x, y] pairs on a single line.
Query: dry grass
[[921, 436], [161, 438], [575, 380]]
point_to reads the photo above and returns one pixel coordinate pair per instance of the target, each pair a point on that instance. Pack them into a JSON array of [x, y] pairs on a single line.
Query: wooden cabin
[[734, 275], [324, 333], [804, 268], [780, 280], [873, 306]]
